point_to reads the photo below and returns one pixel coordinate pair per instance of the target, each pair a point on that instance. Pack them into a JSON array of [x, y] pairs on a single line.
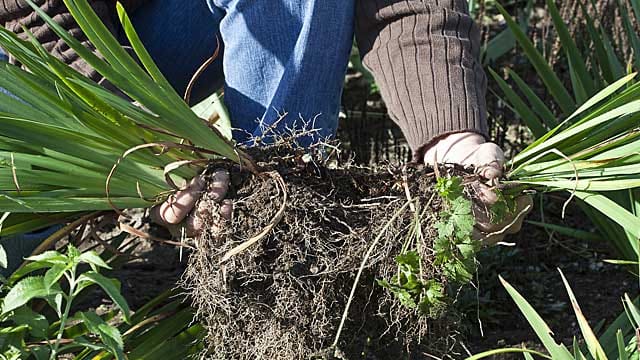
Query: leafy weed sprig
[[454, 250], [455, 247], [28, 334]]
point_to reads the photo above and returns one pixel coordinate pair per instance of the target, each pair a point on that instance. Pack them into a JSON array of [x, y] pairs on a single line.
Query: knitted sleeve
[[424, 55], [13, 9]]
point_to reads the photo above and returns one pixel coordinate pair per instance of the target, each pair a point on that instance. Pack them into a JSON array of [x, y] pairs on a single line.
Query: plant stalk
[[65, 314]]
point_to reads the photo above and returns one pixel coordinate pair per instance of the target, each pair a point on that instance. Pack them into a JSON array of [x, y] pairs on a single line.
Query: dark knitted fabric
[[424, 57], [15, 14], [422, 53]]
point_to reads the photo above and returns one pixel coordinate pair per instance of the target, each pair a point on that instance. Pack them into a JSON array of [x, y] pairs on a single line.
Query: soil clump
[[284, 296]]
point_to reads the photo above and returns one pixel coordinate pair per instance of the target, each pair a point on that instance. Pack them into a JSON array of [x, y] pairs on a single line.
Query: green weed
[[27, 333], [454, 248]]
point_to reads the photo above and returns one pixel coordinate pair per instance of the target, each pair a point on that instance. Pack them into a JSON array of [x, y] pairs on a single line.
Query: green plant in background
[[618, 342], [599, 134], [503, 42], [59, 287], [355, 63], [162, 328]]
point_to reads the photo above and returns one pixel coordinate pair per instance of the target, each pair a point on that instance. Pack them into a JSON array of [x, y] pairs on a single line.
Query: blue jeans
[[278, 56]]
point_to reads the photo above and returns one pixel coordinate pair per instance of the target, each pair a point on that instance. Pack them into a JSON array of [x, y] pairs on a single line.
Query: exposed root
[[283, 295], [267, 229], [143, 235]]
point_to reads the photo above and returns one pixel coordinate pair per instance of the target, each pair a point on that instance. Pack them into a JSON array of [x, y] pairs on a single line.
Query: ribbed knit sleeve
[[12, 9], [424, 57], [16, 15]]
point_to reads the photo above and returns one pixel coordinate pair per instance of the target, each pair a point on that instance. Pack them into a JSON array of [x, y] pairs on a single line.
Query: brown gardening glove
[[471, 149]]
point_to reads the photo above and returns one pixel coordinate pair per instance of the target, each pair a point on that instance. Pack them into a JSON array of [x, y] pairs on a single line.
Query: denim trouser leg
[[180, 36], [279, 55], [286, 56]]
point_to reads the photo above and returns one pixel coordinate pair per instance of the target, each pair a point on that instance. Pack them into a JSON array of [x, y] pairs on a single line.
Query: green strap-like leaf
[[553, 83], [529, 117], [154, 338], [70, 204], [600, 53], [602, 95], [110, 288], [622, 351], [138, 47], [612, 210], [536, 103], [595, 349], [581, 78], [630, 28], [542, 330]]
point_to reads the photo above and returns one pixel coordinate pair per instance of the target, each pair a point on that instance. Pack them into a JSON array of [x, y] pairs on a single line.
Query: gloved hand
[[180, 205], [471, 149]]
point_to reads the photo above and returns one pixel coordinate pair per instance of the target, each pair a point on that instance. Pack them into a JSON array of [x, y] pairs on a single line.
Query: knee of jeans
[[3, 55]]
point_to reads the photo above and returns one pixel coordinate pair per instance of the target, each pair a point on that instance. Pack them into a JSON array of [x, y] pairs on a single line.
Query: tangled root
[[283, 298]]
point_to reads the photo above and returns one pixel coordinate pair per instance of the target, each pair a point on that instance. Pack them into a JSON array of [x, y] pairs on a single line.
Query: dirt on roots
[[284, 297]]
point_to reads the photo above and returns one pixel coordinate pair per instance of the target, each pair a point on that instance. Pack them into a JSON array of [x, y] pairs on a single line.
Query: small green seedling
[[407, 286], [454, 249], [29, 334]]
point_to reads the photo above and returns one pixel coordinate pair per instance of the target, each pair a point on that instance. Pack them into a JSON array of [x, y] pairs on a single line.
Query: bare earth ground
[[530, 267], [491, 318]]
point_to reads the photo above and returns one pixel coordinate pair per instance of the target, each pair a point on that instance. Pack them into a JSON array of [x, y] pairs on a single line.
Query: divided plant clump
[[319, 259], [404, 232], [69, 146]]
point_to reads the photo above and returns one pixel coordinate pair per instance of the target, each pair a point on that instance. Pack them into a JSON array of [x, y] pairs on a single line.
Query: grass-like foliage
[[61, 134], [617, 342], [593, 152], [588, 142]]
